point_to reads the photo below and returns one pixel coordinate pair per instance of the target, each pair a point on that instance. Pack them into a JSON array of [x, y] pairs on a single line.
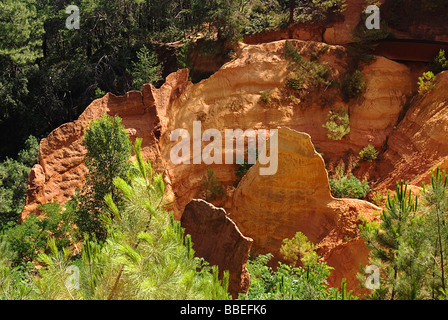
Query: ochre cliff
[[299, 196], [230, 99], [61, 166], [418, 144]]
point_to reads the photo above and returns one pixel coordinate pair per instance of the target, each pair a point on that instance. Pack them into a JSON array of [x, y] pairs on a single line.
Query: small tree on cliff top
[[108, 152]]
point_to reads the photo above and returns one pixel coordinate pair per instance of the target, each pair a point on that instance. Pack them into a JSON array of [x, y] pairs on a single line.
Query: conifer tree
[[387, 238], [108, 153], [146, 254], [435, 214]]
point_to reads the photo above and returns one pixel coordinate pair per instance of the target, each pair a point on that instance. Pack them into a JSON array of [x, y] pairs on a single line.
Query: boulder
[[297, 198], [218, 240]]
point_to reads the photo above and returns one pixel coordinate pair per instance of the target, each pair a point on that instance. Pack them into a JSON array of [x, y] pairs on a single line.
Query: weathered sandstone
[[218, 240], [297, 198], [230, 99]]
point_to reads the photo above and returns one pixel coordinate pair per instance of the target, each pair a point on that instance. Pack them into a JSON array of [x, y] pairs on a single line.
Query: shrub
[[305, 73], [353, 85], [14, 182], [348, 187], [427, 82], [378, 198], [212, 188], [369, 153], [440, 63], [297, 249], [307, 282], [147, 255], [265, 96], [30, 237], [337, 124], [108, 152]]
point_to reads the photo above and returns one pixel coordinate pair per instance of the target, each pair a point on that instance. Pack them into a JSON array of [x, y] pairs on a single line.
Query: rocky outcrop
[[61, 168], [297, 198], [418, 144], [230, 99], [218, 240]]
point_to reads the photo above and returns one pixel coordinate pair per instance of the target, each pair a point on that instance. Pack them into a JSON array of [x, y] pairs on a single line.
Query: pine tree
[[387, 238], [146, 254], [436, 205]]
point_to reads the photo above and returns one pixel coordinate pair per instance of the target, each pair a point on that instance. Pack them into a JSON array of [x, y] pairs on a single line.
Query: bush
[[30, 237], [212, 188], [147, 255], [265, 96], [426, 82], [108, 152], [337, 125], [369, 153], [353, 85], [440, 63], [14, 182], [298, 249], [305, 73], [348, 187], [307, 282]]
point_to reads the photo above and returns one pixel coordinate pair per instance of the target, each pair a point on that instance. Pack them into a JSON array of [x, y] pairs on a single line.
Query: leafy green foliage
[[14, 283], [14, 182], [369, 153], [410, 244], [108, 152], [353, 85], [146, 69], [426, 82], [343, 186], [265, 97], [387, 241], [30, 237], [19, 18], [305, 74], [318, 10], [308, 282], [337, 124], [297, 249], [146, 255], [287, 283], [440, 63], [212, 188], [263, 16]]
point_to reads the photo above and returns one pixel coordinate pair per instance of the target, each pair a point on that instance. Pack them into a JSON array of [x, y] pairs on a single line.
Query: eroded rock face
[[230, 99], [297, 198], [418, 144], [218, 240], [61, 168], [267, 209]]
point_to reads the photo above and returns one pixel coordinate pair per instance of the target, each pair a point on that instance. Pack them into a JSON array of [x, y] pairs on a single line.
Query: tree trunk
[[292, 6]]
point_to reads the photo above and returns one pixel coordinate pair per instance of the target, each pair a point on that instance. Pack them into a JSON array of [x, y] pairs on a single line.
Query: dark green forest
[[50, 73]]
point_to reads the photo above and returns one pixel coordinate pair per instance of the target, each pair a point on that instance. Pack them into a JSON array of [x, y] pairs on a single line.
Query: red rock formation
[[230, 99], [218, 240], [61, 166], [297, 198], [418, 144]]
